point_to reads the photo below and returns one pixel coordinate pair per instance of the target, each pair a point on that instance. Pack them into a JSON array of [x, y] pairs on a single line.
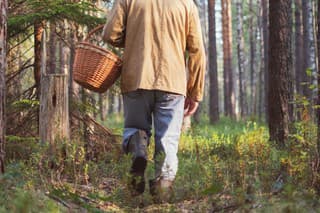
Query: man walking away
[[159, 37]]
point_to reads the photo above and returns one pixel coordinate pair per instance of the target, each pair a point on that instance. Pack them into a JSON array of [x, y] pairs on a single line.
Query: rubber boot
[[161, 190], [137, 147]]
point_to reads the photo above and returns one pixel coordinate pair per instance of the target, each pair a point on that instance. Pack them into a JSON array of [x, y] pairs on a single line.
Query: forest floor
[[228, 167]]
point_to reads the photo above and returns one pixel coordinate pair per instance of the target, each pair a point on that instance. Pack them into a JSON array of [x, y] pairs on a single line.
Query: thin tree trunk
[[265, 34], [38, 30], [307, 49], [120, 107], [111, 102], [298, 46], [101, 107], [213, 68], [240, 50], [262, 65], [318, 98], [3, 67], [252, 59], [229, 97], [279, 70]]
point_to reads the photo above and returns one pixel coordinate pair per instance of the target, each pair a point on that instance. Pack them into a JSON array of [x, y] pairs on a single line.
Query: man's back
[[155, 34]]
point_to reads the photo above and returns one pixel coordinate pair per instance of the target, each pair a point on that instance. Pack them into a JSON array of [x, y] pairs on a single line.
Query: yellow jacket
[[157, 35]]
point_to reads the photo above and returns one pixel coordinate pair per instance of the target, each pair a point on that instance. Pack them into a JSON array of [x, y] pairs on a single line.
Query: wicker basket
[[95, 68]]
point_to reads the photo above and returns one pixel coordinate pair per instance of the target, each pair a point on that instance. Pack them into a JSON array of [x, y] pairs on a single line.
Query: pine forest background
[[254, 141]]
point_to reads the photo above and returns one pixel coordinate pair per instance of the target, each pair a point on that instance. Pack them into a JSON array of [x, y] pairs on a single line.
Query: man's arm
[[196, 62], [115, 29]]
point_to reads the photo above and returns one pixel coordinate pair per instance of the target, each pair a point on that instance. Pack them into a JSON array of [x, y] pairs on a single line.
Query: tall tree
[[229, 98], [279, 69], [252, 45], [213, 68], [3, 67], [308, 50], [298, 46], [318, 74], [240, 52], [38, 30], [265, 35], [261, 84]]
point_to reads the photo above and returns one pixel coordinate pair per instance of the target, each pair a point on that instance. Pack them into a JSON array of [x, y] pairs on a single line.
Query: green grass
[[224, 167]]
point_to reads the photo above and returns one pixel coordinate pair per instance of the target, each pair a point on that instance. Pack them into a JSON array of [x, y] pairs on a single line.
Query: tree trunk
[[38, 30], [52, 48], [265, 34], [298, 46], [101, 107], [54, 105], [213, 68], [3, 67], [279, 70], [252, 59], [262, 65], [111, 97], [318, 98], [229, 98], [307, 49], [240, 50]]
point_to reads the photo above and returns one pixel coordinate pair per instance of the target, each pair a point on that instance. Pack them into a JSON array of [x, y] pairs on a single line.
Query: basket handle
[[93, 31]]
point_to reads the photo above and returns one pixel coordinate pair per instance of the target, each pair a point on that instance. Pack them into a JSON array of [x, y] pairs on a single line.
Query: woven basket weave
[[95, 68]]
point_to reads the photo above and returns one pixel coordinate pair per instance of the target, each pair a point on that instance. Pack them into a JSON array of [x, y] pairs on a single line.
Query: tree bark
[[213, 68], [279, 70], [298, 46], [240, 50], [262, 65], [54, 105], [252, 59], [318, 98], [38, 30], [229, 97], [3, 67], [101, 107], [307, 49], [52, 49], [265, 34]]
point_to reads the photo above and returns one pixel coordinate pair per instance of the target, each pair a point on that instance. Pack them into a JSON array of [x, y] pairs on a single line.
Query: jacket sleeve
[[197, 58], [115, 29]]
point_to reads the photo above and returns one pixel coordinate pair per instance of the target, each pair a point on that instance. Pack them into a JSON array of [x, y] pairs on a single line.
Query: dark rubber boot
[[137, 147]]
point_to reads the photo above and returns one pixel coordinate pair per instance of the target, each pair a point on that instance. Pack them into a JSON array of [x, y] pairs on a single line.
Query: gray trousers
[[163, 110]]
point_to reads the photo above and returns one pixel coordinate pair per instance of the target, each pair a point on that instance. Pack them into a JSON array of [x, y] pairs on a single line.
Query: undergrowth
[[224, 167]]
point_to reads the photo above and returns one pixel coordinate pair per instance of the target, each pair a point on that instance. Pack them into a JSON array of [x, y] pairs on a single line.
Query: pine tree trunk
[[240, 50], [265, 34], [279, 70], [3, 67], [111, 102], [229, 97], [318, 98], [262, 66], [101, 107], [52, 49], [213, 68], [38, 30], [307, 48], [54, 104], [298, 46], [252, 59]]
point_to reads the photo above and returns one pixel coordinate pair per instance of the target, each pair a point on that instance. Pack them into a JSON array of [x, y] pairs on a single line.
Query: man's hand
[[190, 106]]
